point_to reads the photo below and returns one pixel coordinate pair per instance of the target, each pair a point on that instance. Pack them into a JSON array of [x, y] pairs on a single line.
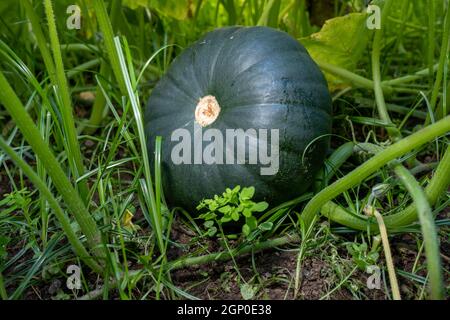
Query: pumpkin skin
[[262, 78]]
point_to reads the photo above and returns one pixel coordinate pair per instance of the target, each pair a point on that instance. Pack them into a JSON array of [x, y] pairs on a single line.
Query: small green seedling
[[362, 257], [233, 205]]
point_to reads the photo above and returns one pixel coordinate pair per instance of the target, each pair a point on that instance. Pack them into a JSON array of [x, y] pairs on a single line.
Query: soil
[[220, 281], [275, 270]]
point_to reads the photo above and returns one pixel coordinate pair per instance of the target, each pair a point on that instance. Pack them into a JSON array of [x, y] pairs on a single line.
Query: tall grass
[[59, 80], [86, 193]]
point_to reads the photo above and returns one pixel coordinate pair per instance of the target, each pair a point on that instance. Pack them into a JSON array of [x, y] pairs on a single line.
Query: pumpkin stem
[[207, 110]]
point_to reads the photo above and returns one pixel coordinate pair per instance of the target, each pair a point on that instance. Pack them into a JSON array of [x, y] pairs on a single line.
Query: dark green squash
[[261, 78]]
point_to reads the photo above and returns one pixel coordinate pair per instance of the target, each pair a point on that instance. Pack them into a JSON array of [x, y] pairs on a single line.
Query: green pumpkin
[[257, 79]]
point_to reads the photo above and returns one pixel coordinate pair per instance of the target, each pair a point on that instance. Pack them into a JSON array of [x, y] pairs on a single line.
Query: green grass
[[77, 186]]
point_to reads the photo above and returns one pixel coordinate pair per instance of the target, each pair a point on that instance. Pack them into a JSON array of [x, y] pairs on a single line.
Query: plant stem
[[73, 148], [265, 16], [437, 185], [82, 67], [359, 81], [353, 78], [442, 61], [79, 47], [431, 35], [367, 103], [376, 74], [96, 116], [155, 214], [329, 293], [3, 294], [332, 165], [337, 159], [376, 162], [32, 135], [108, 37], [411, 77], [226, 255], [78, 247], [429, 231], [41, 41], [387, 250]]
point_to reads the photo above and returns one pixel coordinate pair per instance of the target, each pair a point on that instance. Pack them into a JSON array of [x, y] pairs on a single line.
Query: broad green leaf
[[213, 206], [225, 219], [212, 231], [201, 205], [340, 42], [266, 226], [247, 212], [225, 210], [251, 222], [177, 9], [134, 4], [246, 230], [247, 193], [208, 216], [208, 224], [260, 206]]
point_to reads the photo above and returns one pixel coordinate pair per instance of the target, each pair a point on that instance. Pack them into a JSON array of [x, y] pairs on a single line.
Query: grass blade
[[73, 151], [78, 247], [31, 133], [428, 230], [154, 213]]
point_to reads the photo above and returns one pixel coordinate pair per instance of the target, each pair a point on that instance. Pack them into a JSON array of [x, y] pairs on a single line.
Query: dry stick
[[369, 210]]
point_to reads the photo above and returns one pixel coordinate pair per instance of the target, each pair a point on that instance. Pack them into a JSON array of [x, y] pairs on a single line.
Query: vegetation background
[[76, 186]]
